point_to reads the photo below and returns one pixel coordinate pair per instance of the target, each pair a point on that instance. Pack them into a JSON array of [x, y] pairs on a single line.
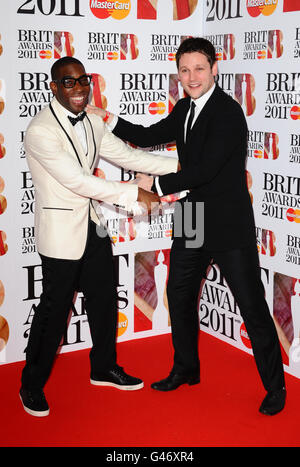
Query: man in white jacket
[[62, 146]]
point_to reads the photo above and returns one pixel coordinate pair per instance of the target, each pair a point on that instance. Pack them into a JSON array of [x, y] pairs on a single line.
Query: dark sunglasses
[[84, 80]]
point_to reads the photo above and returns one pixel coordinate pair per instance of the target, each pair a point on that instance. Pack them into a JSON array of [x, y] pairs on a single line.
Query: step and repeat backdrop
[[129, 47]]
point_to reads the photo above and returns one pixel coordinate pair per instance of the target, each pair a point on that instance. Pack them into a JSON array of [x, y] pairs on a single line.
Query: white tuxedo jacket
[[63, 178]]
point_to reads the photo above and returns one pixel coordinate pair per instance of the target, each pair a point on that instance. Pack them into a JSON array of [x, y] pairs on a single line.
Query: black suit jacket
[[212, 166]]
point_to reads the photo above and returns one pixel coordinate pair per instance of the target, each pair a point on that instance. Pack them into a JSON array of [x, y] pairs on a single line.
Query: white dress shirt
[[199, 104], [79, 130]]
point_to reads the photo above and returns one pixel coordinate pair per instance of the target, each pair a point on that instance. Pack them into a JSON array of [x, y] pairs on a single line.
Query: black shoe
[[117, 378], [273, 402], [174, 380], [34, 402]]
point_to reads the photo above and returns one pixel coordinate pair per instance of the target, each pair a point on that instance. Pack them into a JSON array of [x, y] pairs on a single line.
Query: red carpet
[[220, 411]]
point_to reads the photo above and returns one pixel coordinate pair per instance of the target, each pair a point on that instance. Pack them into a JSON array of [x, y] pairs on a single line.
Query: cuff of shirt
[[156, 187]]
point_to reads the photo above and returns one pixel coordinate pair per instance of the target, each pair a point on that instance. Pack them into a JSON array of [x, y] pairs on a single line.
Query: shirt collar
[[201, 101]]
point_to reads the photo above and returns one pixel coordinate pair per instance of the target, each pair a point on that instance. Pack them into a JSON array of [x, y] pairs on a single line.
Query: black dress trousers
[[240, 268], [94, 275]]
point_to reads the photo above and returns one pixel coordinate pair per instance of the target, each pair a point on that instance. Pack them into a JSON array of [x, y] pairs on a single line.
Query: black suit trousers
[[240, 268], [94, 275]]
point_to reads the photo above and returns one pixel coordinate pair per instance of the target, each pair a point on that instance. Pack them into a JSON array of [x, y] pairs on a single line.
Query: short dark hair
[[60, 63], [197, 44]]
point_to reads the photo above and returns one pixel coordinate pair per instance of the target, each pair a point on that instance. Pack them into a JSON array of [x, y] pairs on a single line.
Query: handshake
[[146, 197]]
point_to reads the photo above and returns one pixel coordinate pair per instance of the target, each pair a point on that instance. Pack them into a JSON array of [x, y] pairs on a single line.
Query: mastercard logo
[[112, 55], [45, 54], [171, 57], [122, 324], [171, 147], [157, 108], [104, 9], [244, 337], [295, 112], [261, 54], [258, 154], [264, 7], [293, 215], [219, 55]]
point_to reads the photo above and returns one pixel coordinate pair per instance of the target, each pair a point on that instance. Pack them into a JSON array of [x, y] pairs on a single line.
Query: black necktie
[[190, 121], [74, 120]]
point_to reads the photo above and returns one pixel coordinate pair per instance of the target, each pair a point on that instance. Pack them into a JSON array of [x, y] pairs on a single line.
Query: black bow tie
[[74, 120]]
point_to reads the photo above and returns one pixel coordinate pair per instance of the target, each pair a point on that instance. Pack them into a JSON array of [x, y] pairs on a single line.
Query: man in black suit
[[212, 157]]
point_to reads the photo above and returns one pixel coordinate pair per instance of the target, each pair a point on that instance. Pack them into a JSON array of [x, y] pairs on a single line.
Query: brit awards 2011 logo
[[263, 44], [263, 145], [44, 44], [164, 46], [143, 93], [112, 46], [281, 199], [283, 96]]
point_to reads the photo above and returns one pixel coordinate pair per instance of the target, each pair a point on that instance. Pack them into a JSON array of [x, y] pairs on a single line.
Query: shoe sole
[[270, 412], [134, 387], [35, 413], [191, 382]]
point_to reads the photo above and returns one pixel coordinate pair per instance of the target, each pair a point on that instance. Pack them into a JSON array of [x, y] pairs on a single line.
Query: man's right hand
[[149, 200]]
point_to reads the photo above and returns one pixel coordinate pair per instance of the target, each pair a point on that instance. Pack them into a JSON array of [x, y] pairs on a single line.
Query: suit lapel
[[180, 140], [91, 144], [71, 135]]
